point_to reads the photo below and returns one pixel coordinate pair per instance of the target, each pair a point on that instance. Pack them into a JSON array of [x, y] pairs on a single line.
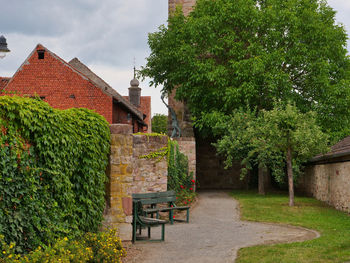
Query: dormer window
[[41, 54]]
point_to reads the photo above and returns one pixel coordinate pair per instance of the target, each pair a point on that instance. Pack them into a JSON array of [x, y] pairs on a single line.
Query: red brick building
[[66, 85]]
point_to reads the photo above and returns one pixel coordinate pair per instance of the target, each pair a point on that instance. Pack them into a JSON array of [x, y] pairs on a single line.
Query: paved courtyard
[[214, 234]]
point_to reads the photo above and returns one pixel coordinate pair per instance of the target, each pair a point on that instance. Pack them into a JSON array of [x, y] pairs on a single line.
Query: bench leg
[[188, 215], [163, 232], [171, 216], [149, 232], [140, 230], [134, 229]]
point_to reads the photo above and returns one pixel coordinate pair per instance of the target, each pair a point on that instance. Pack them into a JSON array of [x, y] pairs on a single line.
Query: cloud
[[108, 34], [119, 79]]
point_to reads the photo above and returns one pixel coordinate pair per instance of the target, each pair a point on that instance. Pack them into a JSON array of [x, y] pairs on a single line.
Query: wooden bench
[[153, 200], [140, 221]]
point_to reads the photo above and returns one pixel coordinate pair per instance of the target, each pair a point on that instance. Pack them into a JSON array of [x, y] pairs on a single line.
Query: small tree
[[285, 130], [160, 123], [278, 138], [237, 134]]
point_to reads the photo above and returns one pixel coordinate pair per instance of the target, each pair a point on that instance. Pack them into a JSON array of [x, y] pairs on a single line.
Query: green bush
[[105, 246], [52, 164], [179, 177], [90, 248], [185, 197], [160, 123]]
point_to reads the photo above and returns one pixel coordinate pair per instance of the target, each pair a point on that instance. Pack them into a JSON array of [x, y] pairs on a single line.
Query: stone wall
[[182, 113], [210, 169], [187, 5], [129, 174], [187, 145], [329, 182]]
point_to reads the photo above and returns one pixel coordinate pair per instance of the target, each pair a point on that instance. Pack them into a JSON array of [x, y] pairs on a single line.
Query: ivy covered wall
[[52, 171]]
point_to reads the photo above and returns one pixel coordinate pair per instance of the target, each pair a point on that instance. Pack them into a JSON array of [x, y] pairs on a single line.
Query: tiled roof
[[3, 82], [145, 108], [104, 86], [340, 149]]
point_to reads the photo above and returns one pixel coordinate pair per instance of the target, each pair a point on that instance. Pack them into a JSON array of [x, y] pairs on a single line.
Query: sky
[[106, 35]]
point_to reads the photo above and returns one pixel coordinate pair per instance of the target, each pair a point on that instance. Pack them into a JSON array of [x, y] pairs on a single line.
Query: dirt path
[[214, 234]]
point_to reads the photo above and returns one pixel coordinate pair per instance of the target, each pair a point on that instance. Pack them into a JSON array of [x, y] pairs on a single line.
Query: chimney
[[135, 92]]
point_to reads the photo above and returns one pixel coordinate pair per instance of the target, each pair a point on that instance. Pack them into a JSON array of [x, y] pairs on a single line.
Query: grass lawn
[[333, 246]]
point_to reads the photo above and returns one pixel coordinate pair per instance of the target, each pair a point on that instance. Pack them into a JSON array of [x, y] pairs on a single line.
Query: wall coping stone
[[183, 139], [120, 128], [143, 138]]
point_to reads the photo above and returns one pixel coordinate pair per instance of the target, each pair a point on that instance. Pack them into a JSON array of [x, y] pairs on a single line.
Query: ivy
[[179, 177], [52, 164], [178, 174]]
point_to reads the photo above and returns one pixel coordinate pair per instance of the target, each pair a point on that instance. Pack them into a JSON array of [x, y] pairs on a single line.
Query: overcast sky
[[105, 35]]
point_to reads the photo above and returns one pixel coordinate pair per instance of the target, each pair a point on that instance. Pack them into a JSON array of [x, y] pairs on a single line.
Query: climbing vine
[[179, 178], [158, 154], [52, 163]]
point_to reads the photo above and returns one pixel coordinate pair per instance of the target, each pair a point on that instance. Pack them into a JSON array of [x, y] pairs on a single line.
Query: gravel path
[[214, 234]]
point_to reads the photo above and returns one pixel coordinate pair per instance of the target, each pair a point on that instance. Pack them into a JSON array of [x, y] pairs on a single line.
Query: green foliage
[[160, 123], [90, 248], [231, 54], [52, 179], [179, 177], [283, 128], [160, 153], [263, 140], [185, 197], [106, 246]]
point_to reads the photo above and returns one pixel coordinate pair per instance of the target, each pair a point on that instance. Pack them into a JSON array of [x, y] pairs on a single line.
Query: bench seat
[[153, 200]]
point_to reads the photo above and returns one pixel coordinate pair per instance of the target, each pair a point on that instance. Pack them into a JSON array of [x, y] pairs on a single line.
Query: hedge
[[52, 163]]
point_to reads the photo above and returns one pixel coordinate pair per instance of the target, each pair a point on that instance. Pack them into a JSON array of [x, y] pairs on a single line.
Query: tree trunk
[[290, 176], [261, 176]]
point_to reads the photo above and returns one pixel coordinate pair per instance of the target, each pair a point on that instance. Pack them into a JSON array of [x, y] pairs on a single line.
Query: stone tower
[[182, 112], [206, 165], [187, 142], [187, 5]]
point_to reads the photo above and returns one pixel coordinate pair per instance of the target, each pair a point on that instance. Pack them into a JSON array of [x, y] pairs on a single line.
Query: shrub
[[185, 197], [179, 177], [160, 123], [52, 164], [105, 246], [92, 247]]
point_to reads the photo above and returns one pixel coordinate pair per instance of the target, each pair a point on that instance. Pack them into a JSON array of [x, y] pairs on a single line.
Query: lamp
[[3, 47]]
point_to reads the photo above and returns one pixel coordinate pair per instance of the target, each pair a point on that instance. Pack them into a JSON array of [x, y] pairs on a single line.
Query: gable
[[45, 74]]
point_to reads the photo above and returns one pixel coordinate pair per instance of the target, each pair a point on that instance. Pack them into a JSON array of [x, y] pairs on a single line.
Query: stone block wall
[[148, 175], [211, 173], [329, 183], [187, 145], [129, 174], [187, 5]]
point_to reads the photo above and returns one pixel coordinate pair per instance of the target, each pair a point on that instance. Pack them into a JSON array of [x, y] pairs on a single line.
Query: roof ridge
[[105, 87]]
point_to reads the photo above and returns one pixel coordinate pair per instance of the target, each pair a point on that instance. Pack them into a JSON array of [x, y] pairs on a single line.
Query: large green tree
[[160, 123], [247, 53]]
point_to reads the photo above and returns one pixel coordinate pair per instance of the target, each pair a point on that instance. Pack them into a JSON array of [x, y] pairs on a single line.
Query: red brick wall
[[3, 82], [55, 80], [121, 116], [145, 108]]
